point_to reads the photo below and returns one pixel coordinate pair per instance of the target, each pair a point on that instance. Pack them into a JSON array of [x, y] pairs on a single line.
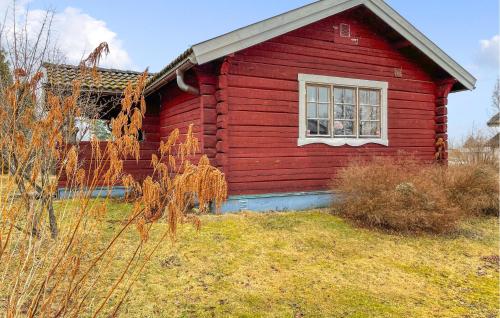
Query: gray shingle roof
[[109, 80], [494, 121]]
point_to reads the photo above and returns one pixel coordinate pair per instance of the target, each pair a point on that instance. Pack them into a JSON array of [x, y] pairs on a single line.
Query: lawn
[[314, 264]]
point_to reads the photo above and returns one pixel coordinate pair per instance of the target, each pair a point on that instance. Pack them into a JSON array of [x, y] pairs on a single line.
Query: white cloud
[[76, 34], [489, 54]]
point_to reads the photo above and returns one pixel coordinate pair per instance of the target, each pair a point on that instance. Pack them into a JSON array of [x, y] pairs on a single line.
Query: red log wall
[[246, 116], [139, 169], [178, 110], [262, 98]]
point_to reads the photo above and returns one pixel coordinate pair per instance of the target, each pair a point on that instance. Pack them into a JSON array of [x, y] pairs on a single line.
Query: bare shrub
[[405, 195], [59, 258], [395, 194], [473, 188], [478, 148], [77, 272]]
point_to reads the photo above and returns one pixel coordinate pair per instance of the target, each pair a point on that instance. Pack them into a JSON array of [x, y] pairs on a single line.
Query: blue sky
[[151, 33]]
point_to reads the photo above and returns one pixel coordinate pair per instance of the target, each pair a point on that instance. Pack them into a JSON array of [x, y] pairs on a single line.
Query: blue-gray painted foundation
[[114, 192], [278, 201], [236, 203]]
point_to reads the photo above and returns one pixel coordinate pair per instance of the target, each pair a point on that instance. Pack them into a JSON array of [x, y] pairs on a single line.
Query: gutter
[[183, 85], [173, 72]]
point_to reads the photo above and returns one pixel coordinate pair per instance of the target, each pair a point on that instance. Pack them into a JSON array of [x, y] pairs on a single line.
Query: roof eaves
[[424, 44], [165, 74]]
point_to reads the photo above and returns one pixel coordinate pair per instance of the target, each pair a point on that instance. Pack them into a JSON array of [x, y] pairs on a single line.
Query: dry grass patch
[[312, 264]]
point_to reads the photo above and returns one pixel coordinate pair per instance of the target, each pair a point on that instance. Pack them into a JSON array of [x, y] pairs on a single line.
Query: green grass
[[314, 264]]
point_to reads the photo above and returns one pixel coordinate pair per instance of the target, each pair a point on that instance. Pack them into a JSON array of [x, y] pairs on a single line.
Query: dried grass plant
[[54, 254]]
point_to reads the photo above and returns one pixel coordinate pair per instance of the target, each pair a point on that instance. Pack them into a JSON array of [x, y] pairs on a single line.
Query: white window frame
[[305, 79]]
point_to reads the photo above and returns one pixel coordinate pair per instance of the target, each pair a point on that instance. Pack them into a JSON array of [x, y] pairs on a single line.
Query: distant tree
[[495, 98]]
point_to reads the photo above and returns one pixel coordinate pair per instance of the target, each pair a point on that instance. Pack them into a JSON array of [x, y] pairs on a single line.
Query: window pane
[[369, 97], [370, 128], [323, 111], [375, 114], [349, 112], [344, 128], [323, 95], [311, 110], [376, 128], [356, 111], [349, 128], [369, 113], [323, 127], [364, 112], [337, 92], [88, 128], [363, 96], [311, 94], [364, 128], [312, 127], [338, 110], [349, 96], [374, 98], [338, 128]]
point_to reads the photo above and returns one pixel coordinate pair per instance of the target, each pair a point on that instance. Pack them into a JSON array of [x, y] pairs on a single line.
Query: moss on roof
[[109, 80]]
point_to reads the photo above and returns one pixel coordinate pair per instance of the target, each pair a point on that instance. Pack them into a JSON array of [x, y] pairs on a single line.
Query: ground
[[314, 264]]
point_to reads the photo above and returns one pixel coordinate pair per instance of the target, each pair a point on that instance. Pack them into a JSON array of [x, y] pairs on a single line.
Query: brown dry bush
[[59, 259], [395, 194], [473, 188], [406, 195]]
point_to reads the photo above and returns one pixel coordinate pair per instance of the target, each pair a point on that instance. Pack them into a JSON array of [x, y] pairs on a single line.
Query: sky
[[150, 33]]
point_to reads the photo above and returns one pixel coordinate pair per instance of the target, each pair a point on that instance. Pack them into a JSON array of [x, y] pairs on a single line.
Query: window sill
[[336, 142]]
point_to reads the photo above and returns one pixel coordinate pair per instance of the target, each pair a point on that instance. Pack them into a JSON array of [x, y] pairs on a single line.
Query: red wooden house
[[282, 104]]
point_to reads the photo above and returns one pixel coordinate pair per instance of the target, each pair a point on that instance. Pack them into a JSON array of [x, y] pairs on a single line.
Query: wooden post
[[443, 89], [222, 147], [207, 80]]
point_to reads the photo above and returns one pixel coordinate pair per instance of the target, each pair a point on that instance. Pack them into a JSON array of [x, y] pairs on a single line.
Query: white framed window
[[341, 111], [87, 128]]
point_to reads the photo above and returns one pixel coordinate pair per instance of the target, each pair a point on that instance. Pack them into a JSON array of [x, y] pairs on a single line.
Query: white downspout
[[182, 84]]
